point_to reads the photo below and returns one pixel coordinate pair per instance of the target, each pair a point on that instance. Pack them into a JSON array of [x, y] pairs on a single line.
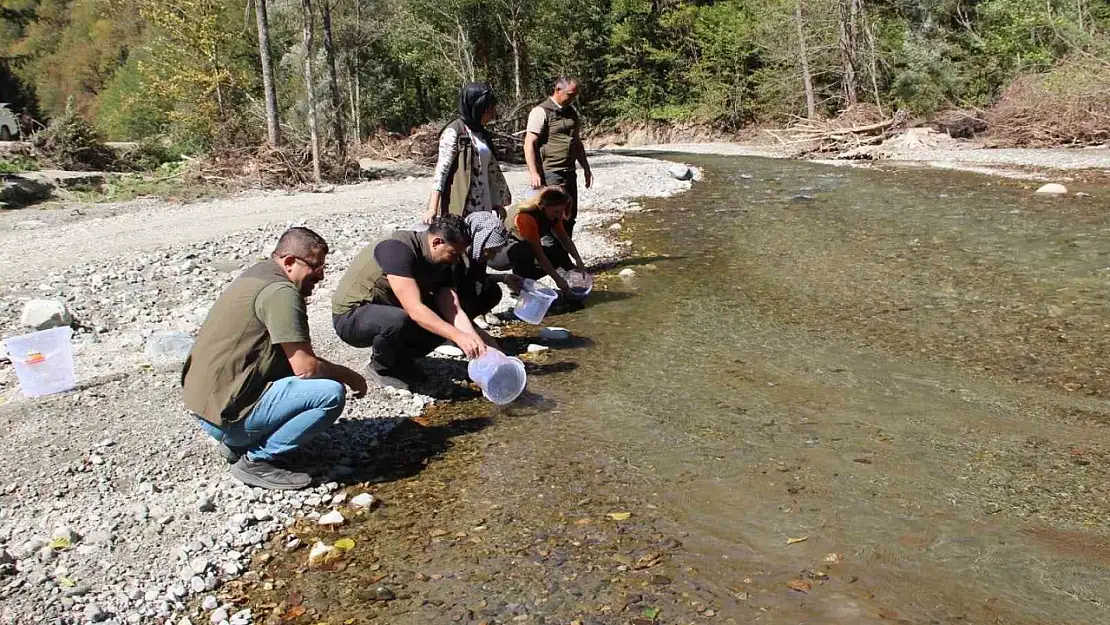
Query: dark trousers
[[397, 339], [519, 258], [477, 302], [568, 179]]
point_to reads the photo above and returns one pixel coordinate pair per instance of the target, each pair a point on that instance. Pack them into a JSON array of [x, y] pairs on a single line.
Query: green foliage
[[17, 163], [189, 70], [71, 142]]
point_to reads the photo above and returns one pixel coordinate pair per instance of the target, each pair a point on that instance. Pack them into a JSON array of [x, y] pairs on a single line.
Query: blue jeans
[[290, 413]]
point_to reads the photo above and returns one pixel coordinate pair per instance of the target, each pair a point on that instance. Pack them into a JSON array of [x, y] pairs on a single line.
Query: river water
[[830, 395], [907, 369]]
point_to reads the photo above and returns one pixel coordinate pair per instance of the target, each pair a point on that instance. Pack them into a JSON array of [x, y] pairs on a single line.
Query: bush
[[71, 142], [151, 153], [1068, 105]]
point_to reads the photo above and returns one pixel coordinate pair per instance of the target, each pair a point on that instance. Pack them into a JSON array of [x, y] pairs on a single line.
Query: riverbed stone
[[1053, 188], [43, 314], [680, 172]]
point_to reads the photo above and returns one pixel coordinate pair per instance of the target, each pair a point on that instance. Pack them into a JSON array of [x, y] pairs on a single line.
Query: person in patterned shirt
[[467, 176]]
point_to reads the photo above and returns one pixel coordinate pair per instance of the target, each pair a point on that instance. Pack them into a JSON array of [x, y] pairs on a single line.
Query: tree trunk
[[333, 83], [310, 89], [518, 87], [273, 127], [874, 61], [811, 103], [847, 23], [356, 81]]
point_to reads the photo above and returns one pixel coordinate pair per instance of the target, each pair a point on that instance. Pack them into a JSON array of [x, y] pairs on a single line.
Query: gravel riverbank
[[964, 156], [113, 506]]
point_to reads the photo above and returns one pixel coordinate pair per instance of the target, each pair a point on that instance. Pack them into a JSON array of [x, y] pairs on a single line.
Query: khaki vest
[[232, 362], [364, 282], [452, 199], [557, 141]]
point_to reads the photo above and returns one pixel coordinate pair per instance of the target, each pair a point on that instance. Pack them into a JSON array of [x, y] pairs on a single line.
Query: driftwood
[[809, 137]]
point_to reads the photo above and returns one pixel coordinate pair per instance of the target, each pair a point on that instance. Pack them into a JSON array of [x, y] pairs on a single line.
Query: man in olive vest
[[252, 379], [399, 297], [552, 146]]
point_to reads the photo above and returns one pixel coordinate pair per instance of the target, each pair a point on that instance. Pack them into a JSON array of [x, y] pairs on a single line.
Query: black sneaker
[[265, 475], [396, 377]]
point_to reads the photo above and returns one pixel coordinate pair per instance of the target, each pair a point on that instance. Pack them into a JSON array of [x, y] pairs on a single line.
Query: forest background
[[204, 74]]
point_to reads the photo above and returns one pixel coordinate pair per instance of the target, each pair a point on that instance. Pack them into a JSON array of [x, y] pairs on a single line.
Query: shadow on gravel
[[407, 449]]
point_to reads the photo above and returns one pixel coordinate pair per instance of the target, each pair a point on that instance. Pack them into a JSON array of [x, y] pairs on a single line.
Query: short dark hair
[[452, 229], [564, 81], [300, 242]]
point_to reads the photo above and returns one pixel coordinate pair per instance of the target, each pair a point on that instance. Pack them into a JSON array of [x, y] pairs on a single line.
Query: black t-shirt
[[395, 258]]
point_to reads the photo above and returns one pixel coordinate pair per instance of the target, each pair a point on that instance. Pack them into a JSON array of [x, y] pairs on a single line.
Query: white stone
[[554, 334], [1053, 188], [627, 272], [450, 351], [198, 565], [210, 603], [332, 518], [321, 553], [218, 616], [261, 514], [363, 500], [537, 349], [43, 314], [339, 499], [66, 534]]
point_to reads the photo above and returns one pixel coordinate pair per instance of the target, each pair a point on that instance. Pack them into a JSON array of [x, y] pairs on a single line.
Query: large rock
[[43, 314], [168, 347], [19, 191], [680, 172]]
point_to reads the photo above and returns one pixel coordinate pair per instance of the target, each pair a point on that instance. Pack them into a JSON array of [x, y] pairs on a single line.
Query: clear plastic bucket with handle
[[581, 283], [500, 377], [43, 361], [534, 302]]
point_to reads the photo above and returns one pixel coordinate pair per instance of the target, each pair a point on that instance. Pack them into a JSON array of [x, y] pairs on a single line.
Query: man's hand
[[428, 216], [472, 345], [515, 282], [501, 212], [563, 285], [535, 180], [589, 177], [357, 384]]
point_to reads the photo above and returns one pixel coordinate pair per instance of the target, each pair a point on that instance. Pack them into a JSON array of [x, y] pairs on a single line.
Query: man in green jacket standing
[[553, 145], [252, 380]]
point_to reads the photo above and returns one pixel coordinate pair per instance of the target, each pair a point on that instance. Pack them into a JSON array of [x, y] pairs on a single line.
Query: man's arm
[[408, 293], [580, 155], [532, 157], [307, 365], [447, 300]]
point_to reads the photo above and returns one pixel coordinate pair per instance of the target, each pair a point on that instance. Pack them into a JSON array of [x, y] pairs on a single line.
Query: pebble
[[363, 500], [332, 518], [219, 615], [321, 552], [261, 514], [339, 499], [627, 272], [615, 228], [196, 584], [65, 534], [537, 349], [554, 334], [450, 351], [205, 504], [1053, 188], [209, 603], [94, 614], [199, 565]]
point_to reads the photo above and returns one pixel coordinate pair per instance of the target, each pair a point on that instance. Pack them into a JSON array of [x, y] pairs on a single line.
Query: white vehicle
[[9, 124]]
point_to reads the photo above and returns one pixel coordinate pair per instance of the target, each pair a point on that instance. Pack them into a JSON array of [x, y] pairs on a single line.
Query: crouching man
[[252, 379], [399, 297]]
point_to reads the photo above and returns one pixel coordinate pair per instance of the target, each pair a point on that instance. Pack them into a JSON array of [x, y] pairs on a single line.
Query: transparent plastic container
[[500, 377], [581, 283], [43, 361], [534, 302]]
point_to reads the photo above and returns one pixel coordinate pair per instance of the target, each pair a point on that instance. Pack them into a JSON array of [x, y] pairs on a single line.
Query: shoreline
[[1042, 164], [142, 490]]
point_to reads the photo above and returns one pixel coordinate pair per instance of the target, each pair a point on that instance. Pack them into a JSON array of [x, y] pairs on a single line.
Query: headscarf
[[475, 99], [486, 231]]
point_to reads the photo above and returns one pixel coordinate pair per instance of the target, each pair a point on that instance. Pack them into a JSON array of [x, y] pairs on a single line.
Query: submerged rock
[[1053, 188]]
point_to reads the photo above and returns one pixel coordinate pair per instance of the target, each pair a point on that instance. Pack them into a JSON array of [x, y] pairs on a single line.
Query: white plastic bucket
[[43, 361], [534, 302], [500, 377]]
